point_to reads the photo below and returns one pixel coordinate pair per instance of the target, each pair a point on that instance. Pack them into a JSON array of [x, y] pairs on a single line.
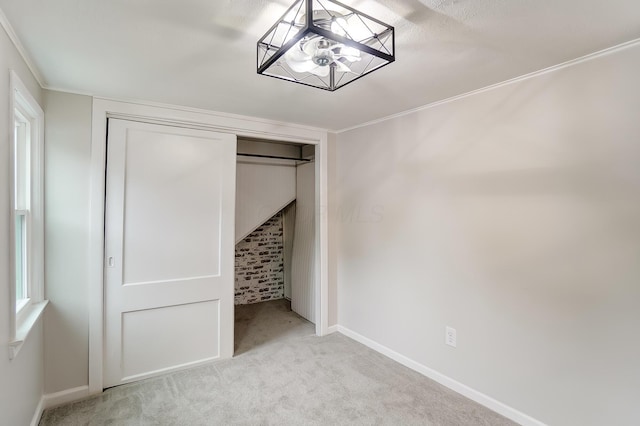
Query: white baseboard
[[474, 395], [37, 415], [65, 396], [332, 329]]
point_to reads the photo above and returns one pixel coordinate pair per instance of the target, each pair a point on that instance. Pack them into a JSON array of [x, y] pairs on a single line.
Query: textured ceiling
[[201, 53]]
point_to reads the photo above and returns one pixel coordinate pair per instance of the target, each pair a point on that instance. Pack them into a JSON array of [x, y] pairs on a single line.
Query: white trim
[[322, 235], [69, 91], [247, 126], [332, 329], [188, 117], [21, 323], [474, 395], [37, 414], [570, 63], [63, 397], [25, 324], [4, 22]]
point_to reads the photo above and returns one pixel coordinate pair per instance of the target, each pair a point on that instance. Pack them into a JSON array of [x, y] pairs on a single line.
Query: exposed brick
[[259, 264]]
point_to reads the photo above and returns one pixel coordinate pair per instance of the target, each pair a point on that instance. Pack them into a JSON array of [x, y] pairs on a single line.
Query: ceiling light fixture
[[325, 44]]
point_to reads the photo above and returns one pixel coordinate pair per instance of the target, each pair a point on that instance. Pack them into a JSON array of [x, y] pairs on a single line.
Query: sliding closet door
[[303, 283], [169, 246]]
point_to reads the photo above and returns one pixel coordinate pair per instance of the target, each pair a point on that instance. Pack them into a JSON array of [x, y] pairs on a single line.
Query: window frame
[[23, 316], [21, 191]]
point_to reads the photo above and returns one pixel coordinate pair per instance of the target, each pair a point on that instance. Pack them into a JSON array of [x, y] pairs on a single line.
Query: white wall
[[67, 155], [263, 188], [512, 215], [21, 380]]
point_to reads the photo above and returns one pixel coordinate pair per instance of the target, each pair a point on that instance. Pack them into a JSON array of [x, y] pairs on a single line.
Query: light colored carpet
[[282, 374]]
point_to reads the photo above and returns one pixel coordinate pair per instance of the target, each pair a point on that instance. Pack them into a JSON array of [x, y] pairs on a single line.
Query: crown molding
[[553, 68]]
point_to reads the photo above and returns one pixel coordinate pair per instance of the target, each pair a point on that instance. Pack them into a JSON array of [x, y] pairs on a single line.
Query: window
[[27, 231], [21, 142]]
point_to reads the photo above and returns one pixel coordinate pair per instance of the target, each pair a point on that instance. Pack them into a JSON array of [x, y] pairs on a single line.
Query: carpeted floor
[[282, 374]]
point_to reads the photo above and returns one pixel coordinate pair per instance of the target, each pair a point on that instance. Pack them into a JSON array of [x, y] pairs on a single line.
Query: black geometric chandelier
[[325, 44]]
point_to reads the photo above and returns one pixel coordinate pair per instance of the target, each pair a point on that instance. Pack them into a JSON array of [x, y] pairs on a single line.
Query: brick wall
[[260, 264]]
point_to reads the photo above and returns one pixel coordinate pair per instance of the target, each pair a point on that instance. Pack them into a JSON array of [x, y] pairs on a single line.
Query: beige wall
[[67, 157], [512, 215], [21, 380]]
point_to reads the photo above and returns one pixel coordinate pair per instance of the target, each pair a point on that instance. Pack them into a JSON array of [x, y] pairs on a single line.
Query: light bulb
[[357, 30], [322, 56]]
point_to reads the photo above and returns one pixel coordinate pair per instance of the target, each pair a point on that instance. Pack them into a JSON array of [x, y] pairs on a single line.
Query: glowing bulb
[[357, 30]]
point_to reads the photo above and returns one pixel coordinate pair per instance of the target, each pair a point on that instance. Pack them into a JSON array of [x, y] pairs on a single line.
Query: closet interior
[[274, 228]]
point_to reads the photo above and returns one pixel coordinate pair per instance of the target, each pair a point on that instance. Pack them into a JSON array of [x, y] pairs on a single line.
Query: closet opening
[[275, 270]]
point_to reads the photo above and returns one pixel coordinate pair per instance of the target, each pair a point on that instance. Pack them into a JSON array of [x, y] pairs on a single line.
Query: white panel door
[[169, 246]]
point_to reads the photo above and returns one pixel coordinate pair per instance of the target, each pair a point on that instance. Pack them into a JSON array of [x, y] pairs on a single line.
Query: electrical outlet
[[450, 336]]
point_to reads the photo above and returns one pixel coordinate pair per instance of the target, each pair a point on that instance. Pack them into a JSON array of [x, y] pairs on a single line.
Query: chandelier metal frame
[[309, 19]]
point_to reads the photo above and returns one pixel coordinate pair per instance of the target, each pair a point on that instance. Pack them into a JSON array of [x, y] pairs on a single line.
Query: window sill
[[23, 328]]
